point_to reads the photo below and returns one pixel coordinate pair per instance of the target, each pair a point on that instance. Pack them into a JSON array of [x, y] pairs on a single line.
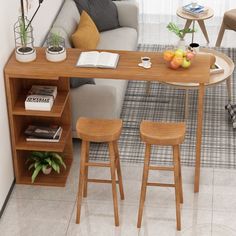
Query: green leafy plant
[[55, 42], [40, 161], [172, 27], [23, 32]]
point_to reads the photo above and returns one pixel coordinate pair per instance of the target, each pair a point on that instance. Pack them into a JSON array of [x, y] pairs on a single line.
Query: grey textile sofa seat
[[105, 98]]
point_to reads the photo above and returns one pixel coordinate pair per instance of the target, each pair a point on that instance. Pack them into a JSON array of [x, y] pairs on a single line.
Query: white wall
[[9, 12]]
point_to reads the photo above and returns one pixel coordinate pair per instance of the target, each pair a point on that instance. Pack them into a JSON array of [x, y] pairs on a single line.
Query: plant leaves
[[31, 166], [57, 156], [36, 172], [55, 166]]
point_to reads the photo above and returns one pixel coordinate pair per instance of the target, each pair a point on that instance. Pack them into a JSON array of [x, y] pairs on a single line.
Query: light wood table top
[[127, 68], [186, 16], [222, 60]]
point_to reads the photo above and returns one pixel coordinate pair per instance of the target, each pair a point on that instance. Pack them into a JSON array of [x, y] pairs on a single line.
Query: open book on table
[[98, 59]]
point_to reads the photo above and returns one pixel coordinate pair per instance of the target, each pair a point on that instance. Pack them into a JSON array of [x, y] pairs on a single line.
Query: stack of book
[[195, 10], [51, 133], [40, 98]]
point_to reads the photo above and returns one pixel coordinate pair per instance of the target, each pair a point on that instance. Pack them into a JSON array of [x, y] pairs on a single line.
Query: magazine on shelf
[[54, 140], [98, 59], [39, 102], [216, 69], [50, 131], [196, 11], [43, 90]]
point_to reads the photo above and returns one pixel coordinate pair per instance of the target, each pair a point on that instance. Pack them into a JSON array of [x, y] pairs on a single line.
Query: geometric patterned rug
[[165, 103]]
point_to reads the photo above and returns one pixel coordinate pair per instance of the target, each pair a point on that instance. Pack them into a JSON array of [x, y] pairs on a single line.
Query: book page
[[88, 59], [108, 60]]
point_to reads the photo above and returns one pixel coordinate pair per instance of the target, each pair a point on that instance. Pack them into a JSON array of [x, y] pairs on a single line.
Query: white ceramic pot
[[56, 56], [47, 171], [181, 44], [25, 55]]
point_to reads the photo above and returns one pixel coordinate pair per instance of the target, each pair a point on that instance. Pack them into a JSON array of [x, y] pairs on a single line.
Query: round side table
[[191, 19], [223, 61]]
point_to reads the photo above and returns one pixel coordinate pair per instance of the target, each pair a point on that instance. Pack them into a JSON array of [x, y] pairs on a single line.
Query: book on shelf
[[98, 59], [216, 68], [48, 90], [53, 140], [39, 102], [50, 131], [196, 11]]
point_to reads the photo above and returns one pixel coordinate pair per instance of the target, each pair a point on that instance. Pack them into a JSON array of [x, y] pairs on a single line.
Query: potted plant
[[45, 162], [25, 51], [172, 27], [55, 51]]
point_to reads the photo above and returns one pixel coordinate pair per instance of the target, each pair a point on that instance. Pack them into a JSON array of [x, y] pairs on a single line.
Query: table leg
[[187, 24], [203, 28], [228, 83], [201, 92]]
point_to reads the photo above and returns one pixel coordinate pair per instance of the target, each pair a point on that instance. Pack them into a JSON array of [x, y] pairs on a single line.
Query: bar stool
[[99, 130], [229, 22], [164, 134]]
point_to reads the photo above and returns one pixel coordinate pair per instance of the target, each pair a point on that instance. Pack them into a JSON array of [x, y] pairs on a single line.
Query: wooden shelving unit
[[17, 86]]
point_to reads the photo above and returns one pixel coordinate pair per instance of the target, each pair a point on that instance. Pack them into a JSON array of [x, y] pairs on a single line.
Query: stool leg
[[177, 187], [86, 171], [119, 170], [180, 176], [113, 180], [81, 180], [144, 183]]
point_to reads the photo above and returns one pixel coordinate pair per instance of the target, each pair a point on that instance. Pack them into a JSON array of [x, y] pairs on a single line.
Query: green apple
[[186, 63], [179, 53]]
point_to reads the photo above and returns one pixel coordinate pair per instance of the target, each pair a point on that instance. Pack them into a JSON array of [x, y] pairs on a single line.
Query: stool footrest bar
[[106, 181], [164, 168], [97, 164], [160, 185]]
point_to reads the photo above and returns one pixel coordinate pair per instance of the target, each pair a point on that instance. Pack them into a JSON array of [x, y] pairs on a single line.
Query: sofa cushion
[[123, 38], [103, 12], [86, 36], [68, 17], [77, 82]]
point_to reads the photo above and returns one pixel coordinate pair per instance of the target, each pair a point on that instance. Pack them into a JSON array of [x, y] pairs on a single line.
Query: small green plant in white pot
[[56, 50], [24, 42], [45, 162], [172, 27]]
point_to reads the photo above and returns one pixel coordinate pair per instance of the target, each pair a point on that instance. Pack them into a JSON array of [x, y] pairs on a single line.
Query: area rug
[[165, 103]]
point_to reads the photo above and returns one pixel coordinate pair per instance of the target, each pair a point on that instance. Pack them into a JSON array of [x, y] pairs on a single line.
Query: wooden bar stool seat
[[99, 130], [164, 134]]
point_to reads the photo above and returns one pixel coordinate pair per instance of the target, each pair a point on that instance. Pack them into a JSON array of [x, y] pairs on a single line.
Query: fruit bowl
[[178, 58]]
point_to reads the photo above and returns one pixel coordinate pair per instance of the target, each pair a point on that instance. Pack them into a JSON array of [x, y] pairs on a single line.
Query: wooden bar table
[[127, 69]]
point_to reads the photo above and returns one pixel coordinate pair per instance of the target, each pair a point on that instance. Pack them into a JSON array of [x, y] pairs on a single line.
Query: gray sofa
[[105, 98]]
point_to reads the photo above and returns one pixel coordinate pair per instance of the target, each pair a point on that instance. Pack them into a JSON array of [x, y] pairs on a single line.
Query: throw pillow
[[103, 12], [77, 82], [86, 36]]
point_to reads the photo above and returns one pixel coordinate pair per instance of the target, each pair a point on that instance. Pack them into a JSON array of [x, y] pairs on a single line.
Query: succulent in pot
[[56, 50], [45, 162]]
